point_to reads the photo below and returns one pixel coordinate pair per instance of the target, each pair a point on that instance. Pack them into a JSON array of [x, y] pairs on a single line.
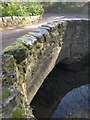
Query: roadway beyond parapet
[[9, 36]]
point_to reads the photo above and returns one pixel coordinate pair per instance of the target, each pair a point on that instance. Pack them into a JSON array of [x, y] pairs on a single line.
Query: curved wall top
[[30, 59]]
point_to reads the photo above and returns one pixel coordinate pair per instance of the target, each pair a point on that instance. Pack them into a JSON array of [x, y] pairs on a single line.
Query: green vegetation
[[18, 50], [34, 8], [1, 7], [7, 81], [20, 8], [26, 35], [5, 93], [17, 113]]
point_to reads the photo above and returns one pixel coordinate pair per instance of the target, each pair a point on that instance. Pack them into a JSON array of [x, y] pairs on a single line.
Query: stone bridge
[[27, 63]]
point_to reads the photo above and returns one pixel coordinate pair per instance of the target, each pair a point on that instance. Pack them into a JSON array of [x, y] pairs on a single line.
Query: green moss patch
[[8, 63], [18, 50], [8, 70], [26, 35], [5, 93], [17, 113]]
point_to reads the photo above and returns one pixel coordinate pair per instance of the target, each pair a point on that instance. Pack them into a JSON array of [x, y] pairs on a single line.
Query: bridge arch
[[29, 61]]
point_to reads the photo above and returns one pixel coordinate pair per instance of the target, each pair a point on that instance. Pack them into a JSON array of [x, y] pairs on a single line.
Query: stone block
[[28, 39], [38, 35], [50, 25]]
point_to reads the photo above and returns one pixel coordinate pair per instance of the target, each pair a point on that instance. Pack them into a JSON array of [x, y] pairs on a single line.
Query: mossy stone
[[5, 93], [17, 113], [18, 50]]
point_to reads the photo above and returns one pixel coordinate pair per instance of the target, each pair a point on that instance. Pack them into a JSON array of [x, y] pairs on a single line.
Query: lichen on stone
[[5, 93], [18, 50], [26, 35], [17, 113], [8, 70]]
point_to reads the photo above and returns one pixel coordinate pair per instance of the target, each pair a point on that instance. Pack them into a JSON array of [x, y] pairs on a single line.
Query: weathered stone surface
[[57, 84], [0, 21], [40, 30], [45, 27], [75, 104], [75, 41], [37, 34], [18, 50], [14, 20], [50, 25], [36, 54], [28, 39]]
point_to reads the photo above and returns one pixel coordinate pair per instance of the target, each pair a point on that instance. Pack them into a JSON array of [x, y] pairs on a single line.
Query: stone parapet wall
[[75, 41], [15, 21], [31, 58]]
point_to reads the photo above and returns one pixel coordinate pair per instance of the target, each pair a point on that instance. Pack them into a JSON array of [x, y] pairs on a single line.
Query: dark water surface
[[62, 79]]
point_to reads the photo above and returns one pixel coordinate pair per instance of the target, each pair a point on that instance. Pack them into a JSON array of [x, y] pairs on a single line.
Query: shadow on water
[[62, 79]]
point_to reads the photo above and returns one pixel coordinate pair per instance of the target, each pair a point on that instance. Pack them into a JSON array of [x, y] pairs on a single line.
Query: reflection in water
[[74, 104], [60, 81]]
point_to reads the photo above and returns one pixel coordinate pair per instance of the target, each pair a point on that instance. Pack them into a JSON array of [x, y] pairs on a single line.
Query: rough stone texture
[[36, 53], [61, 80], [0, 21], [75, 41], [15, 21], [30, 53], [75, 104], [28, 39]]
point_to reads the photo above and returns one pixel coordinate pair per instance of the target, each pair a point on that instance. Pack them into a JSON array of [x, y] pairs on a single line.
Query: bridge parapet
[[35, 54]]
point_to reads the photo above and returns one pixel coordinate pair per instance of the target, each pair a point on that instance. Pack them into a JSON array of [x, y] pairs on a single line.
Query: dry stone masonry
[[27, 62], [16, 21]]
